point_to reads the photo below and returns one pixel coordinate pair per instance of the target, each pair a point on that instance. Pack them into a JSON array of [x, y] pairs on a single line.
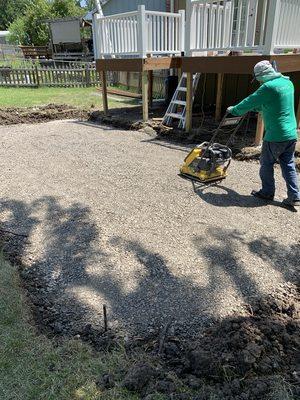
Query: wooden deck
[[205, 64], [238, 64], [138, 64]]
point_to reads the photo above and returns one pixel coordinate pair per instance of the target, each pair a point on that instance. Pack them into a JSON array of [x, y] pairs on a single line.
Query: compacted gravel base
[[100, 216]]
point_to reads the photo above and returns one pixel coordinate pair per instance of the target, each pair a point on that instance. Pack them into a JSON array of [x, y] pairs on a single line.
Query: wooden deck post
[[179, 73], [259, 130], [145, 84], [150, 88], [189, 102], [104, 91], [219, 97]]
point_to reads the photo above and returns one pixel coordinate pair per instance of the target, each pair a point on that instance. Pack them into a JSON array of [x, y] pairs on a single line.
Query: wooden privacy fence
[[56, 77]]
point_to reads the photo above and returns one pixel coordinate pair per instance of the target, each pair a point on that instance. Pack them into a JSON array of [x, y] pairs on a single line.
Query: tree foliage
[[66, 8], [10, 10], [90, 4], [30, 28]]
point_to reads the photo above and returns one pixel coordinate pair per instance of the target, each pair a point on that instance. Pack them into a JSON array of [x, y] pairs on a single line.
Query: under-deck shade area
[[233, 65], [145, 66]]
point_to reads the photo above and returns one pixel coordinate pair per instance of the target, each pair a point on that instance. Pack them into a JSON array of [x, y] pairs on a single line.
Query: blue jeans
[[284, 153]]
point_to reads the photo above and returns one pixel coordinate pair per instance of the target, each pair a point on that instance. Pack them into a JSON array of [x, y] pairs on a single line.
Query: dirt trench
[[31, 115]]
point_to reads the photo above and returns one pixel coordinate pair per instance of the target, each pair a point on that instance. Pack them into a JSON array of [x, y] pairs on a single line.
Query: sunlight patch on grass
[[80, 97]]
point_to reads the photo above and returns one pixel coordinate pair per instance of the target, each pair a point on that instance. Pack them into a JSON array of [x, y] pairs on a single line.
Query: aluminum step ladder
[[177, 107]]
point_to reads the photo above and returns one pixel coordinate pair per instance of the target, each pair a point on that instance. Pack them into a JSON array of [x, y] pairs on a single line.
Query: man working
[[275, 99]]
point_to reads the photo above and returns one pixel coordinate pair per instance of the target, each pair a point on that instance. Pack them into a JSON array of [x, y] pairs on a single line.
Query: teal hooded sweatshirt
[[275, 99]]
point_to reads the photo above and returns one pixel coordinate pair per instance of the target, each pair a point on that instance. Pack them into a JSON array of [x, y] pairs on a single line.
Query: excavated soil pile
[[241, 357], [10, 116], [244, 358], [130, 118]]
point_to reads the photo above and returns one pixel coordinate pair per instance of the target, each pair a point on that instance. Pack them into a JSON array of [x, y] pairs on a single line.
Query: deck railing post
[[95, 38], [182, 30], [189, 8], [142, 31], [271, 26]]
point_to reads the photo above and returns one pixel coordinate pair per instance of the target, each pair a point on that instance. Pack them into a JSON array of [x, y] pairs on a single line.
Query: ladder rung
[[173, 115], [181, 89], [180, 102]]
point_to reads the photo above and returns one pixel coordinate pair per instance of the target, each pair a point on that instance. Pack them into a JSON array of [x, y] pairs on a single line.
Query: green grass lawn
[[33, 367], [80, 97]]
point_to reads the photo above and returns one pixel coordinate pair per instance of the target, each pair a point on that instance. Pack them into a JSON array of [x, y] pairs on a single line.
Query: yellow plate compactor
[[209, 161]]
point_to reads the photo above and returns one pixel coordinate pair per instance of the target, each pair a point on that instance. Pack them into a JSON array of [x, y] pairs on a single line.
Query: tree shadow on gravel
[[282, 258], [17, 222], [67, 249], [53, 258], [223, 255], [159, 298]]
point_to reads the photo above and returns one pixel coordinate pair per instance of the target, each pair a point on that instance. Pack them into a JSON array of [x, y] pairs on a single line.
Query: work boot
[[291, 203], [262, 196]]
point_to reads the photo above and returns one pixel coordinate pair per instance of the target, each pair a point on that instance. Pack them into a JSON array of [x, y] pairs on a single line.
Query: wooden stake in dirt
[[260, 128], [105, 317], [163, 337]]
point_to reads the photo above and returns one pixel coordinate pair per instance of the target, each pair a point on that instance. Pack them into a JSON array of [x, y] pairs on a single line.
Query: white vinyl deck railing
[[139, 33], [287, 20], [226, 25], [262, 26]]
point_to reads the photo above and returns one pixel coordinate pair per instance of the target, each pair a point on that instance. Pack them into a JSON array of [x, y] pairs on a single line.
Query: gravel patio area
[[104, 218]]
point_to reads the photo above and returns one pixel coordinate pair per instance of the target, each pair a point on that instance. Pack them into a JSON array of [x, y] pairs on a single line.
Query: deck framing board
[[138, 64], [241, 65]]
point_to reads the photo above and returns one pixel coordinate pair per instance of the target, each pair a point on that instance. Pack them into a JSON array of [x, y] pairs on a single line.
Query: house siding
[[120, 6]]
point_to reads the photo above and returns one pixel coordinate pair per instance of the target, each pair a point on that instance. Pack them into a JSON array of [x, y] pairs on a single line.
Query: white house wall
[[121, 6]]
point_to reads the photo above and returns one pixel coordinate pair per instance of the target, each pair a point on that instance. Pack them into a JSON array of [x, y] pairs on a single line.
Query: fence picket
[[13, 77]]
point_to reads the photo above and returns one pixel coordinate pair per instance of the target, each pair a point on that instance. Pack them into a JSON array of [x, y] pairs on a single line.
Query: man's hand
[[229, 109]]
